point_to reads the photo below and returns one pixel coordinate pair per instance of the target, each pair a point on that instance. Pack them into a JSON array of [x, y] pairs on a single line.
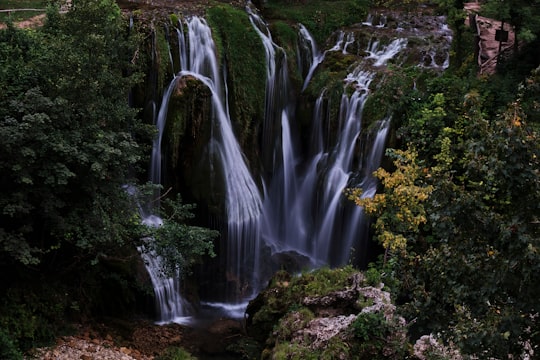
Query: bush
[[8, 349], [174, 353]]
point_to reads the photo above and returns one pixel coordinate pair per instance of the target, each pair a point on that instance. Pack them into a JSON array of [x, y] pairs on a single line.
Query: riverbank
[[141, 340]]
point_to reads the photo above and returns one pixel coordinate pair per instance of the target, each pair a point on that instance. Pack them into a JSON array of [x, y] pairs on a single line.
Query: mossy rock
[[285, 293]]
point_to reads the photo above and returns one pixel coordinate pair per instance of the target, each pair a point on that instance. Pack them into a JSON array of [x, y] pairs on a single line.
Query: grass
[[21, 4]]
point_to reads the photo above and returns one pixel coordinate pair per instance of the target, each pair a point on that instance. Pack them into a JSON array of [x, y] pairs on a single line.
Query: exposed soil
[[141, 340], [33, 22]]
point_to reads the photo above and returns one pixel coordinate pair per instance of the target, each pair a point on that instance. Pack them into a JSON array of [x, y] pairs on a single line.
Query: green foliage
[[246, 75], [179, 244], [369, 326], [8, 350], [70, 134], [522, 14], [71, 143], [245, 348], [373, 276], [31, 315], [288, 293], [408, 5], [399, 210], [320, 17], [174, 353], [460, 271]]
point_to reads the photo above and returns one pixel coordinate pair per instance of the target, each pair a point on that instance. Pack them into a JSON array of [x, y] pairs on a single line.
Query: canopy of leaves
[[67, 134], [466, 271], [524, 15], [70, 144]]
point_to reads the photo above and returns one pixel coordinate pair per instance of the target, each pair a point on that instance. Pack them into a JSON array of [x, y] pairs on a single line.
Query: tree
[[68, 135], [468, 273], [523, 15], [399, 210], [70, 146], [179, 245]]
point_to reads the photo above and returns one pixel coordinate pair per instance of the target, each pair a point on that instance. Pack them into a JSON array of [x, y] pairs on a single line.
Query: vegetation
[[180, 245], [174, 353], [246, 75], [523, 15], [71, 143], [300, 317], [320, 17], [459, 212], [288, 292], [18, 5]]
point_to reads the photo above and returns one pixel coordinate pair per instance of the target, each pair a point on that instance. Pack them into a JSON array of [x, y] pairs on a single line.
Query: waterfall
[[343, 42], [182, 48], [381, 55], [309, 47], [305, 211], [277, 95], [303, 214], [315, 56], [170, 305], [243, 202], [286, 190], [339, 225]]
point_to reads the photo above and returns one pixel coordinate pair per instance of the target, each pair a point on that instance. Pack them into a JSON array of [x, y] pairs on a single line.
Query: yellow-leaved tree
[[399, 209]]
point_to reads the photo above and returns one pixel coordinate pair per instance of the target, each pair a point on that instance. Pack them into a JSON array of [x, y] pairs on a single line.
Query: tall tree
[[68, 134], [523, 15]]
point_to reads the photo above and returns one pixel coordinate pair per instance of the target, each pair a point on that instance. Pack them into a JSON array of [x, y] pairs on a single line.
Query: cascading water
[[170, 305], [304, 208], [303, 213], [243, 203], [243, 200], [315, 56], [280, 155], [277, 94]]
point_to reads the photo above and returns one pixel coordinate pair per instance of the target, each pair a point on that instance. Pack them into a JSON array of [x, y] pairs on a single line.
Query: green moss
[[187, 133], [320, 17], [292, 351], [285, 294], [188, 116], [163, 63], [396, 94], [293, 322], [336, 349], [286, 36], [241, 51], [173, 18]]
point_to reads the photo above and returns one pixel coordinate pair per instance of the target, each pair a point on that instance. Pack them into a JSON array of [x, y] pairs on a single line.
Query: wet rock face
[[341, 321]]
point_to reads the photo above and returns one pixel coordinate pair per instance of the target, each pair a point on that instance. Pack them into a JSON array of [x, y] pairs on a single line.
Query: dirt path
[[33, 22]]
